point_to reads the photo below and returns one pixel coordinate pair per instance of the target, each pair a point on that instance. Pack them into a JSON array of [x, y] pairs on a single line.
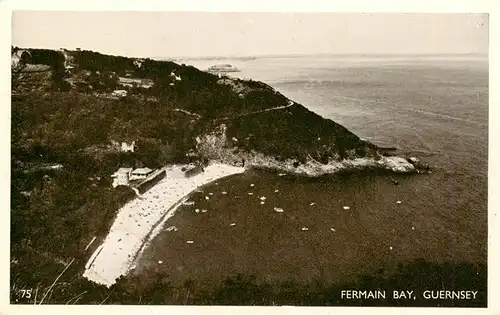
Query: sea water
[[433, 107]]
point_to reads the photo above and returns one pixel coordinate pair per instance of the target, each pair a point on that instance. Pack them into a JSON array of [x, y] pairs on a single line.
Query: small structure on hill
[[140, 173], [175, 76], [119, 93], [138, 63], [128, 147], [121, 177], [124, 175]]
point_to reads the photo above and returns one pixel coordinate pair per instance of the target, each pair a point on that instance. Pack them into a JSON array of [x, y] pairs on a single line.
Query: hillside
[[72, 109], [79, 102]]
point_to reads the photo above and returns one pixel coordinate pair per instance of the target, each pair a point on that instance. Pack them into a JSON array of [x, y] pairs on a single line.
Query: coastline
[[136, 220], [215, 146], [139, 221], [314, 168]]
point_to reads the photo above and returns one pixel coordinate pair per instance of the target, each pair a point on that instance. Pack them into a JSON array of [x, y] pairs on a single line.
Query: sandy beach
[[136, 220]]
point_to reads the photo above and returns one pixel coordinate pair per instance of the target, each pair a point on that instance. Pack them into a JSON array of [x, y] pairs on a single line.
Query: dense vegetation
[[150, 113], [263, 133]]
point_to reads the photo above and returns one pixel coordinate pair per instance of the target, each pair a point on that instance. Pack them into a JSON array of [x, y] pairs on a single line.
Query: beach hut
[[122, 176], [140, 173]]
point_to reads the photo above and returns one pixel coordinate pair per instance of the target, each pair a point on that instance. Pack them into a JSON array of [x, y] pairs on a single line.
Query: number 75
[[26, 293]]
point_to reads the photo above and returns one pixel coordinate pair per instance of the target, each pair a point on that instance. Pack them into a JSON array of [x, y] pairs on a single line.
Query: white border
[[472, 6], [406, 6]]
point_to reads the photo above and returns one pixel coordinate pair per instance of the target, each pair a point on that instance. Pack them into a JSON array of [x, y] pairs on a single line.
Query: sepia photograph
[[249, 159]]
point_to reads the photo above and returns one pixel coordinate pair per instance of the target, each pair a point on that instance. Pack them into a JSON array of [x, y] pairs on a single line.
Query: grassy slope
[[197, 92]]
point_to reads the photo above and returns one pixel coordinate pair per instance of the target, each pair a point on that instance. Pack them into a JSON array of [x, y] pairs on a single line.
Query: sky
[[196, 34]]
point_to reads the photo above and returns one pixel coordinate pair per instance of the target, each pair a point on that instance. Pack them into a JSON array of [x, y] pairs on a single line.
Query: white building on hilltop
[[138, 63], [128, 147], [119, 93]]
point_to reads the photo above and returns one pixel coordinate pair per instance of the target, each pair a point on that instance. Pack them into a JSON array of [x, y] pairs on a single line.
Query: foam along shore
[[136, 220], [216, 147], [314, 168]]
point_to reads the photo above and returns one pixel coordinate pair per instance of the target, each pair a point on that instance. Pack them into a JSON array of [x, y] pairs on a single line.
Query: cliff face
[[79, 102]]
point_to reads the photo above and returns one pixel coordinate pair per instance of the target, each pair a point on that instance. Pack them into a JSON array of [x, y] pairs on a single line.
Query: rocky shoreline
[[215, 147]]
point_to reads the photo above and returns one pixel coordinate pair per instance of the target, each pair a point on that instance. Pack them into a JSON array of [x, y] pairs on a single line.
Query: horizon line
[[269, 55], [325, 54]]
